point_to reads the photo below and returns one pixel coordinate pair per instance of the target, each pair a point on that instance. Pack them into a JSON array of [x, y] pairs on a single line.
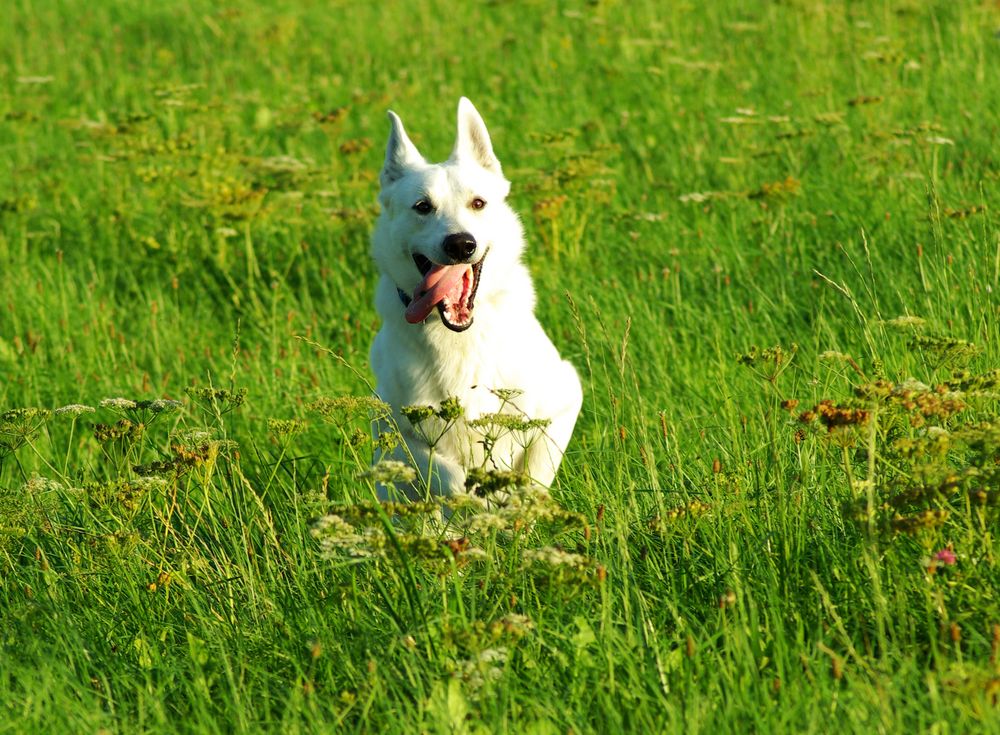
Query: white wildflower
[[338, 538], [164, 404], [554, 557], [940, 140], [485, 666], [151, 482], [118, 404], [390, 470], [38, 484], [73, 409], [331, 524], [492, 656]]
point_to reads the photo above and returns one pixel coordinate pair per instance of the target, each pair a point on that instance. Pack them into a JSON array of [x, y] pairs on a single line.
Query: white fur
[[506, 347]]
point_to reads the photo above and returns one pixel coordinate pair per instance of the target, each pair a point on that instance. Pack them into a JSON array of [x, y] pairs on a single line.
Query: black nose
[[460, 246]]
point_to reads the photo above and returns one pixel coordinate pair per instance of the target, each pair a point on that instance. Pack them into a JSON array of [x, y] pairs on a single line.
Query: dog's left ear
[[473, 142]]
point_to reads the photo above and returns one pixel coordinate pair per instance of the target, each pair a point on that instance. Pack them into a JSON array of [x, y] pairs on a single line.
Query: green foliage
[[798, 539]]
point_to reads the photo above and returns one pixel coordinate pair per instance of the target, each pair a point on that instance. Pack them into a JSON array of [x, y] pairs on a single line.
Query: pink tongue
[[440, 282]]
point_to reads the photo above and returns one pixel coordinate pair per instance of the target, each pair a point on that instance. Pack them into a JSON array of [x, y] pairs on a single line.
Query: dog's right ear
[[400, 153]]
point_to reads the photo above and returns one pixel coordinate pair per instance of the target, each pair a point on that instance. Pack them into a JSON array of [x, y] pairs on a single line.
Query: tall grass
[[778, 511]]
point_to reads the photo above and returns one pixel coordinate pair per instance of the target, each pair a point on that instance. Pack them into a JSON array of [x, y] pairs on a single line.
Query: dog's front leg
[[543, 457], [437, 474]]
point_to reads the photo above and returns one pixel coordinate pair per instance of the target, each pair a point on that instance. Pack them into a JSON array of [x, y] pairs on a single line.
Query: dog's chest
[[427, 364], [472, 372]]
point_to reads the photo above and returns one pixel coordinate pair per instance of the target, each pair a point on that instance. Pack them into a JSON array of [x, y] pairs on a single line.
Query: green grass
[[186, 196]]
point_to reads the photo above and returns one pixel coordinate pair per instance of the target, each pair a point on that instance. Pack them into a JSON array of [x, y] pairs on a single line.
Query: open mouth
[[451, 288]]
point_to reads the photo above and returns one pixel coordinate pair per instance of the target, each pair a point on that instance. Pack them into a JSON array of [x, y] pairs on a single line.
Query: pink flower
[[946, 556]]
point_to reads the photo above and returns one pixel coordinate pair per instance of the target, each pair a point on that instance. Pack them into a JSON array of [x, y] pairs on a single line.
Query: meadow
[[766, 234]]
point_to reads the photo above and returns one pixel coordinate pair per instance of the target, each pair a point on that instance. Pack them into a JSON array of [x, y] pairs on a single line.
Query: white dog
[[457, 309]]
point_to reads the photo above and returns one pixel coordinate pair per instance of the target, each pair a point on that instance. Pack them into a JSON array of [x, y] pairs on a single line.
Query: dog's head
[[445, 232]]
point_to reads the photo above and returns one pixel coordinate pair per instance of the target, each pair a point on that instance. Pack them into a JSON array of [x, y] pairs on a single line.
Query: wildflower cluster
[[480, 648], [376, 531], [18, 426], [552, 566], [121, 431], [485, 666], [444, 417], [389, 471], [508, 422], [521, 508], [32, 506], [218, 400], [73, 410], [363, 531], [920, 400], [694, 509], [836, 415], [284, 428], [187, 451], [342, 408], [142, 412], [768, 363], [494, 426], [926, 467], [906, 322], [122, 493], [944, 351], [485, 483], [442, 536]]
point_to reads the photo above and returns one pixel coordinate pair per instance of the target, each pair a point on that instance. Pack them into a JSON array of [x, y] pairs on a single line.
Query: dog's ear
[[400, 153], [473, 142]]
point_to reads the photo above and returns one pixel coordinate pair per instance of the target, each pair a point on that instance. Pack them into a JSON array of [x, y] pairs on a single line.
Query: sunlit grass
[[766, 236]]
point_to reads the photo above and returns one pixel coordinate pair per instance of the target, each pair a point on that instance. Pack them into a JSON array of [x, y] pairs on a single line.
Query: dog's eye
[[423, 207], [477, 203]]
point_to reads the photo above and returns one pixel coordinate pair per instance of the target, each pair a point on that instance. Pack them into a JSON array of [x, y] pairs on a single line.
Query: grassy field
[[767, 234]]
